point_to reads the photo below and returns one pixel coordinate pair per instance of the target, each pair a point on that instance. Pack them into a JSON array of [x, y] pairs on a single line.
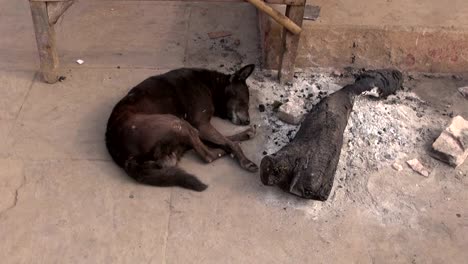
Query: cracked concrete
[[12, 179], [62, 200]]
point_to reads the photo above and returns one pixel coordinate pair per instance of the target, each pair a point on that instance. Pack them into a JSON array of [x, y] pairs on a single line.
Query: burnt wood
[[306, 166]]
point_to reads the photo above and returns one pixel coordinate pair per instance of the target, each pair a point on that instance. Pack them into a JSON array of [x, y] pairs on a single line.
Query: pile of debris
[[279, 103], [380, 133]]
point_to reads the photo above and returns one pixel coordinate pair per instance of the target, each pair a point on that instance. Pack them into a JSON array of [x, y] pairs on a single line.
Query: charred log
[[306, 166]]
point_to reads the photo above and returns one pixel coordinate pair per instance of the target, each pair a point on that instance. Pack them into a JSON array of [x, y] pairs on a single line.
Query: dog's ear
[[243, 73]]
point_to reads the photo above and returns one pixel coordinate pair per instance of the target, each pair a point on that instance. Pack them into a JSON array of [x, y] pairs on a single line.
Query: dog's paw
[[217, 153], [249, 166], [208, 159], [251, 131]]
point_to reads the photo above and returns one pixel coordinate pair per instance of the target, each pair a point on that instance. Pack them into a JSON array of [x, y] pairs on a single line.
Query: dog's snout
[[245, 121]]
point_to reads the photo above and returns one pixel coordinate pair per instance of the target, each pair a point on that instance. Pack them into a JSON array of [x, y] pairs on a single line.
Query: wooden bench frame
[[45, 14]]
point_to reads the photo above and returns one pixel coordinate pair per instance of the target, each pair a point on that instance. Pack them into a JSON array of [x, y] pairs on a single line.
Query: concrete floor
[[63, 201]]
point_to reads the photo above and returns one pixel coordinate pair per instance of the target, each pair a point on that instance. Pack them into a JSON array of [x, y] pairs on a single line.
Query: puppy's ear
[[243, 74]]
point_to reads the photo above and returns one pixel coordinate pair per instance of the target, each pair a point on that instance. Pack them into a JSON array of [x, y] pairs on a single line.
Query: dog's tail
[[150, 173]]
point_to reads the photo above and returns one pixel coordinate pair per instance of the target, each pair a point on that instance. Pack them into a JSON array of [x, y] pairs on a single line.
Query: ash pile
[[380, 133]]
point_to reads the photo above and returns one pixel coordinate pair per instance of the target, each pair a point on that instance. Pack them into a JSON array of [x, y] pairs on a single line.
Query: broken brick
[[452, 144], [464, 91], [416, 165], [291, 112], [397, 167]]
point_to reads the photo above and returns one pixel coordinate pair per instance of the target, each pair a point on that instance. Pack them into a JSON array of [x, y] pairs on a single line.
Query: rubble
[[452, 144], [416, 165], [337, 73], [275, 105], [261, 108], [397, 167], [464, 91], [378, 132], [292, 112], [308, 87]]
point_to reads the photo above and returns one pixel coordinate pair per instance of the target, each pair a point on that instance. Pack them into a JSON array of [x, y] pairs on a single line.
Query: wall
[[412, 35]]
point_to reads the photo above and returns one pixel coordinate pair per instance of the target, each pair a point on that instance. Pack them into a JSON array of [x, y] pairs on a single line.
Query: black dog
[[165, 115]]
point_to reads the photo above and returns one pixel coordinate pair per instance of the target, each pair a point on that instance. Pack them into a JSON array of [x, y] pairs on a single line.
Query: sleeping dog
[[165, 115]]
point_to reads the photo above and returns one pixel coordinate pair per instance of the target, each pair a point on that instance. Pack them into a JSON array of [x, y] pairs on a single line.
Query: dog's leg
[[209, 133], [247, 134], [217, 152], [208, 154]]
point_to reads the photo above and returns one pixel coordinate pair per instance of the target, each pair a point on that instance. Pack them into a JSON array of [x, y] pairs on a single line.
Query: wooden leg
[[56, 10], [264, 27], [45, 38], [290, 45]]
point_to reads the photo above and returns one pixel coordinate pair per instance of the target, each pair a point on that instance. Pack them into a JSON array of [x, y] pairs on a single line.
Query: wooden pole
[[56, 10], [277, 16], [45, 39], [290, 45]]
